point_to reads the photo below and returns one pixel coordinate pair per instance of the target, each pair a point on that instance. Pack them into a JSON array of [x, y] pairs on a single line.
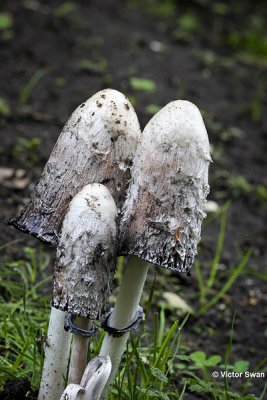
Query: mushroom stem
[[57, 350], [132, 283], [85, 265], [93, 381], [79, 351]]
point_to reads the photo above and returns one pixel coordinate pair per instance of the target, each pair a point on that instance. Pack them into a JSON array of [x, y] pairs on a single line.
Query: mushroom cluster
[[108, 190]]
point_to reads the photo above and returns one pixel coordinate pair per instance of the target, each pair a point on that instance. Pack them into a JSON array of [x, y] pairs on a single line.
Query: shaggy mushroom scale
[[97, 144], [86, 253], [163, 211]]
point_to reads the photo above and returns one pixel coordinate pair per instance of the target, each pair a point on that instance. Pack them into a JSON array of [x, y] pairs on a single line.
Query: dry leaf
[[176, 301]]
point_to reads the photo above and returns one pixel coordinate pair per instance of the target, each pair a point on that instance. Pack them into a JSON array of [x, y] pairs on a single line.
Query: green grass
[[93, 66], [208, 295], [27, 151], [65, 9], [6, 26], [4, 107], [236, 186], [147, 368], [24, 312], [253, 40], [27, 90], [143, 85], [157, 364]]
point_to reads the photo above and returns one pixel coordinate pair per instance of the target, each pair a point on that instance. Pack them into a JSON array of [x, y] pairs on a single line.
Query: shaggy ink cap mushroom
[[86, 253], [163, 211], [97, 144]]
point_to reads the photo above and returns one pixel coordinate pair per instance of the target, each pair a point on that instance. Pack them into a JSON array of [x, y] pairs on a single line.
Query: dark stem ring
[[70, 327], [115, 332]]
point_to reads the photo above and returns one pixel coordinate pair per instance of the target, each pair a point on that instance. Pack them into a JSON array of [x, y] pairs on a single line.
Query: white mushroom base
[[56, 360], [133, 280]]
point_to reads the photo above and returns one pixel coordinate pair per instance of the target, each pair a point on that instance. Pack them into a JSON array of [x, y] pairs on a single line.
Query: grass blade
[[227, 285], [28, 88]]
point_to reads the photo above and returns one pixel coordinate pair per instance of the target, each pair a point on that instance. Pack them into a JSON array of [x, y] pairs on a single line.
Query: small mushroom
[[97, 144], [84, 269], [163, 211], [85, 265], [86, 253]]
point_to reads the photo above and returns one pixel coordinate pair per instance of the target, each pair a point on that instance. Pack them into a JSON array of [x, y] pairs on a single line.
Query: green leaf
[[157, 373], [241, 366], [64, 9], [6, 21], [188, 22], [199, 358], [213, 360], [99, 65], [221, 8], [144, 85], [180, 366], [184, 358], [4, 107]]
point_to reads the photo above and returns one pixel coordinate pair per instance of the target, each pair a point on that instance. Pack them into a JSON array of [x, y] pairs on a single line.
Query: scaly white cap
[[86, 253], [97, 144], [163, 211]]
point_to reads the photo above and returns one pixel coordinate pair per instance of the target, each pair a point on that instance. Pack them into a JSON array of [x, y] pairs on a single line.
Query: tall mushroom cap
[[86, 253], [163, 211], [97, 144]]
